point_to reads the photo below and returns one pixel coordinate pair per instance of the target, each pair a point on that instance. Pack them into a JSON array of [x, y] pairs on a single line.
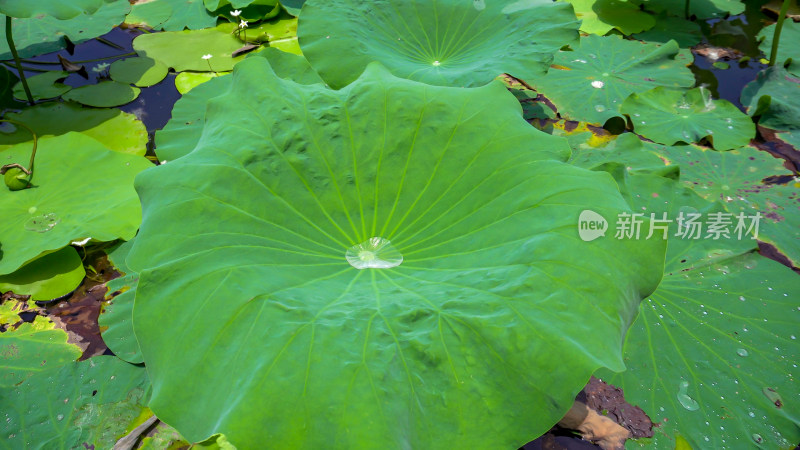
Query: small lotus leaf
[[141, 72], [247, 243], [788, 48], [713, 350], [636, 155], [45, 33], [702, 9], [445, 43], [81, 405], [43, 86], [669, 116], [60, 9], [31, 348], [591, 82], [685, 32], [118, 131], [55, 212], [104, 94], [47, 277], [601, 16], [184, 50], [775, 96]]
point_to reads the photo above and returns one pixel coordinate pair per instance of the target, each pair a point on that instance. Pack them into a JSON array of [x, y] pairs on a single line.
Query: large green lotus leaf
[[118, 131], [55, 211], [104, 94], [60, 9], [591, 82], [45, 33], [787, 48], [685, 32], [33, 347], [702, 9], [141, 72], [116, 320], [183, 131], [601, 16], [670, 116], [775, 96], [446, 43], [82, 405], [712, 357], [44, 86], [481, 337], [735, 178], [184, 50], [48, 277]]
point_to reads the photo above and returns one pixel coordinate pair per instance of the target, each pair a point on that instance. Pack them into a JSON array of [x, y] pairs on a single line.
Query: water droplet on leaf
[[374, 253], [683, 398], [42, 223]]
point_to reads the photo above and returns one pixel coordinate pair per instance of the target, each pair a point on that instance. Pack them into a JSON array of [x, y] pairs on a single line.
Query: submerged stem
[[10, 40], [773, 55]]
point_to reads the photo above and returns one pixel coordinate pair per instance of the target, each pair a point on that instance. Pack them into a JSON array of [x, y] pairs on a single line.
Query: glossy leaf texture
[[590, 82], [55, 212], [244, 280], [712, 357], [444, 43]]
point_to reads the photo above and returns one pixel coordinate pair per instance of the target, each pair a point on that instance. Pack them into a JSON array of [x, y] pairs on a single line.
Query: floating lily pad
[[591, 82], [116, 320], [775, 96], [141, 72], [57, 8], [104, 94], [43, 86], [184, 50], [483, 214], [702, 9], [55, 212], [45, 33], [86, 404], [735, 179], [119, 131], [446, 43], [713, 350], [48, 277], [669, 116], [667, 28], [280, 33], [601, 16], [31, 348], [186, 81], [787, 48]]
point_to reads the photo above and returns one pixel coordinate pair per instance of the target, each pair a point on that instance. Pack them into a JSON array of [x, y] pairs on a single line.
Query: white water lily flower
[[209, 56], [235, 13], [243, 24]]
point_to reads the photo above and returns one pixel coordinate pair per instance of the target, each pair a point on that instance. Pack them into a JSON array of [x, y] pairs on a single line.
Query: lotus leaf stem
[[10, 40], [28, 170], [773, 55]]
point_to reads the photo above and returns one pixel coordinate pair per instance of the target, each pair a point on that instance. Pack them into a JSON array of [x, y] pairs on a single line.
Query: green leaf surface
[[45, 33], [189, 14], [702, 9], [601, 16], [55, 212], [141, 72], [494, 296], [150, 14], [669, 116], [116, 319], [33, 347], [184, 50], [627, 149], [43, 86], [787, 48], [293, 6], [82, 405], [104, 94], [685, 32], [735, 179], [445, 43], [48, 277], [591, 82], [184, 129], [775, 96], [59, 9], [714, 348], [118, 131], [186, 81]]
